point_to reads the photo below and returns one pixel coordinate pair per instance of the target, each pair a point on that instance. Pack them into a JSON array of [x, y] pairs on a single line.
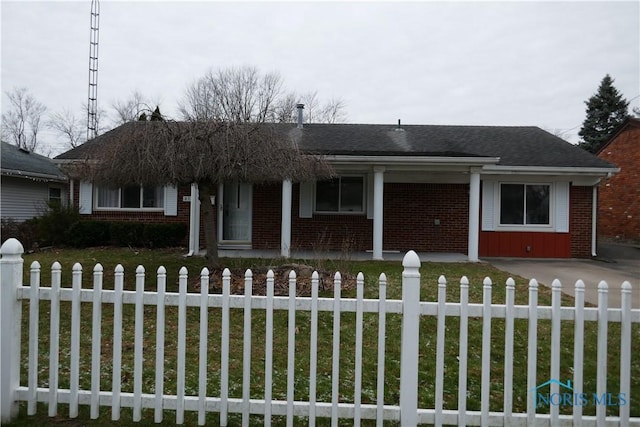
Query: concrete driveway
[[614, 264]]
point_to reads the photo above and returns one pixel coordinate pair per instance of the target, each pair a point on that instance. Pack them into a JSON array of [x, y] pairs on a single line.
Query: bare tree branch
[[66, 124], [333, 111], [21, 124], [233, 94], [130, 109]]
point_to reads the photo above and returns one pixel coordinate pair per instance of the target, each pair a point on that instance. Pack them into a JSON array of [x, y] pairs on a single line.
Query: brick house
[[479, 190], [619, 195]]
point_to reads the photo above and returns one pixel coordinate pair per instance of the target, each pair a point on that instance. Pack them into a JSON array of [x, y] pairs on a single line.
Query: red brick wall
[[580, 221], [322, 232], [329, 232], [410, 213], [267, 216], [619, 196]]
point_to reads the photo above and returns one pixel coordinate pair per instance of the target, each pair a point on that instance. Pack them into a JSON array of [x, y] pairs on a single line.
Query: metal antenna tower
[[92, 103]]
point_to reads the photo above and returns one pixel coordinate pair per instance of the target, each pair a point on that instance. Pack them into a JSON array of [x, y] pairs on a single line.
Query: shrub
[[127, 233], [55, 223], [84, 234], [26, 232], [164, 235]]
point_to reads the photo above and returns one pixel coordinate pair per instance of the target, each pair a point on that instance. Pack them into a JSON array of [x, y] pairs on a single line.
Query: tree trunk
[[206, 190]]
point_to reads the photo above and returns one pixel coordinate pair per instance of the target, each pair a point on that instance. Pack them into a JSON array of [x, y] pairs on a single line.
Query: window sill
[[128, 210], [338, 213], [527, 228]]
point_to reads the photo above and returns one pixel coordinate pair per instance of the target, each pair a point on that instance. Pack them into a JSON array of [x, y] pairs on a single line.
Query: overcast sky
[[462, 63]]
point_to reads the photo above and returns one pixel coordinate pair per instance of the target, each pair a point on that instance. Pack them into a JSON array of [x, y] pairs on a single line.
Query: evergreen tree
[[143, 117], [606, 110]]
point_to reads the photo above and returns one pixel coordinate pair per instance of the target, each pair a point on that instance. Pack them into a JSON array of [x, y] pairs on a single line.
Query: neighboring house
[[619, 195], [480, 190], [29, 181]]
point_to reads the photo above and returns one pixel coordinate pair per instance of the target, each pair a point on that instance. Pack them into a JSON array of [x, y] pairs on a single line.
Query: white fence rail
[[410, 308]]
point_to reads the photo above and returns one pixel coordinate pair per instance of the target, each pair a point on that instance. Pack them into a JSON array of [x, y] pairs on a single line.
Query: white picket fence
[[407, 413]]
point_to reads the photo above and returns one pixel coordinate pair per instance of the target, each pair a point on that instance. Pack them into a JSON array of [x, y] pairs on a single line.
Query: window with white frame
[[340, 195], [55, 196], [525, 204], [130, 197]]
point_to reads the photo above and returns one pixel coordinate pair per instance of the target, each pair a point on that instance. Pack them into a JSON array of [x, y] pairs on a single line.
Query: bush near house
[[121, 234], [25, 231], [63, 226]]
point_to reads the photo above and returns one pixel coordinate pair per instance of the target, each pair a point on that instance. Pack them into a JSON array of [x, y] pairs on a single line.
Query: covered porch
[[406, 204]]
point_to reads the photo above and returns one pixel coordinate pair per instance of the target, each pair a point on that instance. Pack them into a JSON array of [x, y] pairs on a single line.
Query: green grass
[[173, 260]]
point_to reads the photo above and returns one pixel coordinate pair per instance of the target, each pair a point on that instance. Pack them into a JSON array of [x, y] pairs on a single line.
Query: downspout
[[594, 222], [193, 226]]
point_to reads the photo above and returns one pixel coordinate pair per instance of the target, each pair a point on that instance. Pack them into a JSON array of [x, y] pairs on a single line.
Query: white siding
[[22, 199]]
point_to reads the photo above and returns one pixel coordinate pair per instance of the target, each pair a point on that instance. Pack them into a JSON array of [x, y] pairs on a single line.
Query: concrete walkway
[[352, 256], [614, 264]]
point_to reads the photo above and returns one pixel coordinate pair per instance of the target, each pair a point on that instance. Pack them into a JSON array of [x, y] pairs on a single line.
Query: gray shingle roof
[[515, 146], [16, 162]]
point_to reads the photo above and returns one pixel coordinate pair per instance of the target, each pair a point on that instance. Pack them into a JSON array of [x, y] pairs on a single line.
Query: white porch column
[[474, 215], [285, 236], [378, 193]]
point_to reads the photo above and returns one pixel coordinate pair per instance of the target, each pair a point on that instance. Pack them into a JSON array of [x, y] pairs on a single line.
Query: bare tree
[[130, 109], [330, 112], [72, 129], [333, 111], [21, 124], [233, 94], [311, 105], [285, 109]]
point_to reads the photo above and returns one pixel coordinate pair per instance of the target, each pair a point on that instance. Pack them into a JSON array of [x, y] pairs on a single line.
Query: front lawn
[[172, 260]]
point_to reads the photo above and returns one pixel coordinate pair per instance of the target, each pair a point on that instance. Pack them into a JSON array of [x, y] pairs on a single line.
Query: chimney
[[300, 107]]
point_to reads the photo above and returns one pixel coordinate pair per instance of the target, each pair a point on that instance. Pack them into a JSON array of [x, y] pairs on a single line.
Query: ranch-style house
[[484, 191]]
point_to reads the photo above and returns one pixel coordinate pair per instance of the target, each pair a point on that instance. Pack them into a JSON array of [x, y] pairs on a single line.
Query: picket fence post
[[409, 346], [11, 269]]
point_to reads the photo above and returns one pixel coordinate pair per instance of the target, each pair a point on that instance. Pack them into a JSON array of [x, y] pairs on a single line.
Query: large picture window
[[524, 204], [341, 195], [131, 197]]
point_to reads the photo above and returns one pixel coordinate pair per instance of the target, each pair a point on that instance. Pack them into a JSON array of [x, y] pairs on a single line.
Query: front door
[[236, 212]]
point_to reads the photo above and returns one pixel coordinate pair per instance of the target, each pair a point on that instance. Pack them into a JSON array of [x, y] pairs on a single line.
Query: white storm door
[[236, 212]]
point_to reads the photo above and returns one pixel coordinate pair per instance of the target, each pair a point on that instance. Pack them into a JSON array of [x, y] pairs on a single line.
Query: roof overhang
[[34, 176], [411, 160], [548, 170]]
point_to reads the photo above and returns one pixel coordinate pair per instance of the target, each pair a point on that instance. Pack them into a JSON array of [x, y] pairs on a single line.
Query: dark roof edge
[[629, 121], [33, 175]]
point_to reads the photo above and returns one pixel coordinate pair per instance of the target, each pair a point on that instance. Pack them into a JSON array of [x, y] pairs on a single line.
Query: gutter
[[33, 175], [412, 160], [549, 170]]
